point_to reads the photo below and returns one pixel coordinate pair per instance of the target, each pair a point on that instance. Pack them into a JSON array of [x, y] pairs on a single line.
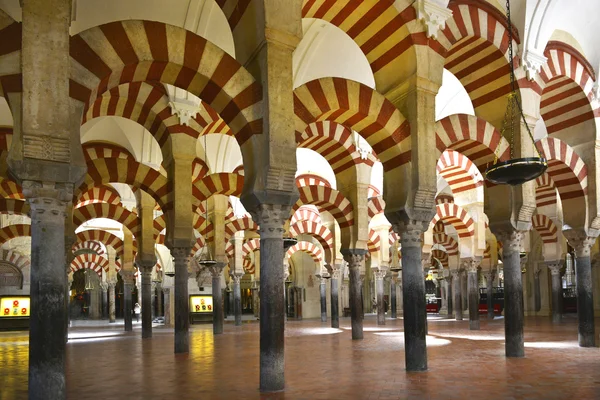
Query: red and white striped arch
[[329, 200], [568, 79], [546, 228], [199, 169], [444, 198], [545, 191], [440, 255], [457, 216], [248, 247], [566, 169], [17, 259], [306, 247], [95, 150], [225, 183], [476, 43], [306, 212], [106, 170], [319, 232], [9, 189], [357, 107], [376, 205], [459, 172], [240, 224], [103, 210], [96, 247], [104, 237], [311, 179], [14, 231], [129, 51], [385, 35], [374, 242], [90, 261], [447, 242], [473, 137], [99, 194], [14, 207]]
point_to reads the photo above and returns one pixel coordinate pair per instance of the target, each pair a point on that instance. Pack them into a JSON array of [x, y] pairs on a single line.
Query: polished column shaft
[[146, 301], [490, 294], [237, 300], [393, 298], [457, 303], [513, 294], [323, 295], [355, 258], [379, 275], [335, 311], [182, 305], [557, 295]]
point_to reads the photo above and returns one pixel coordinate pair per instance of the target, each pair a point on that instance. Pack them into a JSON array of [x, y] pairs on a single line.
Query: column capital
[[511, 240], [127, 276], [48, 200], [271, 218], [104, 286], [455, 273], [555, 266], [354, 257], [336, 272], [216, 269], [470, 264], [181, 254], [379, 274], [580, 241], [145, 266], [111, 285], [166, 290], [490, 274], [433, 14], [410, 231]]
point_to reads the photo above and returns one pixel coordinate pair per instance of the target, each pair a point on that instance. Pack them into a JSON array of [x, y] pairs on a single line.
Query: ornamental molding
[[533, 61], [184, 110], [433, 13]]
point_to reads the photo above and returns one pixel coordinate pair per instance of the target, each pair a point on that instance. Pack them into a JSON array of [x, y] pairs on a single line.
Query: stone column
[[355, 259], [456, 286], [393, 300], [104, 288], [413, 293], [585, 295], [47, 324], [111, 302], [271, 218], [489, 276], [128, 282], [513, 293], [159, 299], [145, 268], [182, 304], [168, 315], [323, 293], [237, 298], [335, 310], [217, 296], [449, 294], [379, 275], [557, 295], [473, 292], [444, 295], [464, 291]]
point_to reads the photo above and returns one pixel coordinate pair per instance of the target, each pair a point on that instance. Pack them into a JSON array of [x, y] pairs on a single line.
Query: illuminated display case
[[201, 308], [14, 312]]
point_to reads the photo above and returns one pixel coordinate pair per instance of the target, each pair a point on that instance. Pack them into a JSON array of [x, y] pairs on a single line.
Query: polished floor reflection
[[321, 363]]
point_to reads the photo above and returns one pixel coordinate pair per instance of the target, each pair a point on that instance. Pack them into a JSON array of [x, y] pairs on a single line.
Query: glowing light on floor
[[321, 331], [471, 337], [371, 328], [551, 345], [94, 336], [432, 341]]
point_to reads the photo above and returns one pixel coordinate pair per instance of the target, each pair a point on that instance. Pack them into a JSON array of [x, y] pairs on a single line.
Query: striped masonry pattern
[[330, 200], [110, 55], [446, 241], [308, 248], [440, 255], [88, 246], [357, 107], [459, 172], [444, 198], [103, 210], [239, 224], [376, 205], [14, 231], [320, 232], [91, 261], [546, 228], [10, 56], [457, 216], [311, 179], [568, 79], [10, 189], [225, 183], [373, 244], [104, 237], [566, 169], [17, 259], [306, 212], [14, 207], [99, 194], [199, 170], [545, 191], [95, 150], [476, 41]]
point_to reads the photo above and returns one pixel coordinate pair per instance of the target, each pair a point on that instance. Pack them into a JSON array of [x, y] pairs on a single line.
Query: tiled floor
[[321, 363]]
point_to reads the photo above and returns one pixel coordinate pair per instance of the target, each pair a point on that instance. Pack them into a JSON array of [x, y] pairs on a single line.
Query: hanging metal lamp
[[514, 171]]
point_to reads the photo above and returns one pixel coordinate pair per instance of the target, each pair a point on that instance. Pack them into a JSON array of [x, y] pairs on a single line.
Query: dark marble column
[[449, 294], [464, 290], [104, 287], [582, 244], [146, 270], [217, 296], [111, 302], [128, 282], [271, 218], [167, 292], [489, 276], [323, 293], [513, 293], [413, 292], [182, 304], [159, 299], [379, 276], [473, 292], [557, 295], [47, 323], [457, 303], [355, 259], [237, 299], [393, 284], [335, 310]]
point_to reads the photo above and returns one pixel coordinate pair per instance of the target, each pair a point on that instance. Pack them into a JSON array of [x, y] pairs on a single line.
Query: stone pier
[[355, 259]]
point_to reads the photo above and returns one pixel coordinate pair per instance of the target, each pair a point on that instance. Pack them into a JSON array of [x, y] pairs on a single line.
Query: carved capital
[[533, 60], [271, 218], [48, 200], [580, 241], [455, 273], [111, 285], [354, 257], [433, 13], [511, 241], [411, 233], [145, 266], [181, 255], [127, 275], [490, 275], [335, 272], [217, 269], [104, 286], [184, 111], [471, 264]]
